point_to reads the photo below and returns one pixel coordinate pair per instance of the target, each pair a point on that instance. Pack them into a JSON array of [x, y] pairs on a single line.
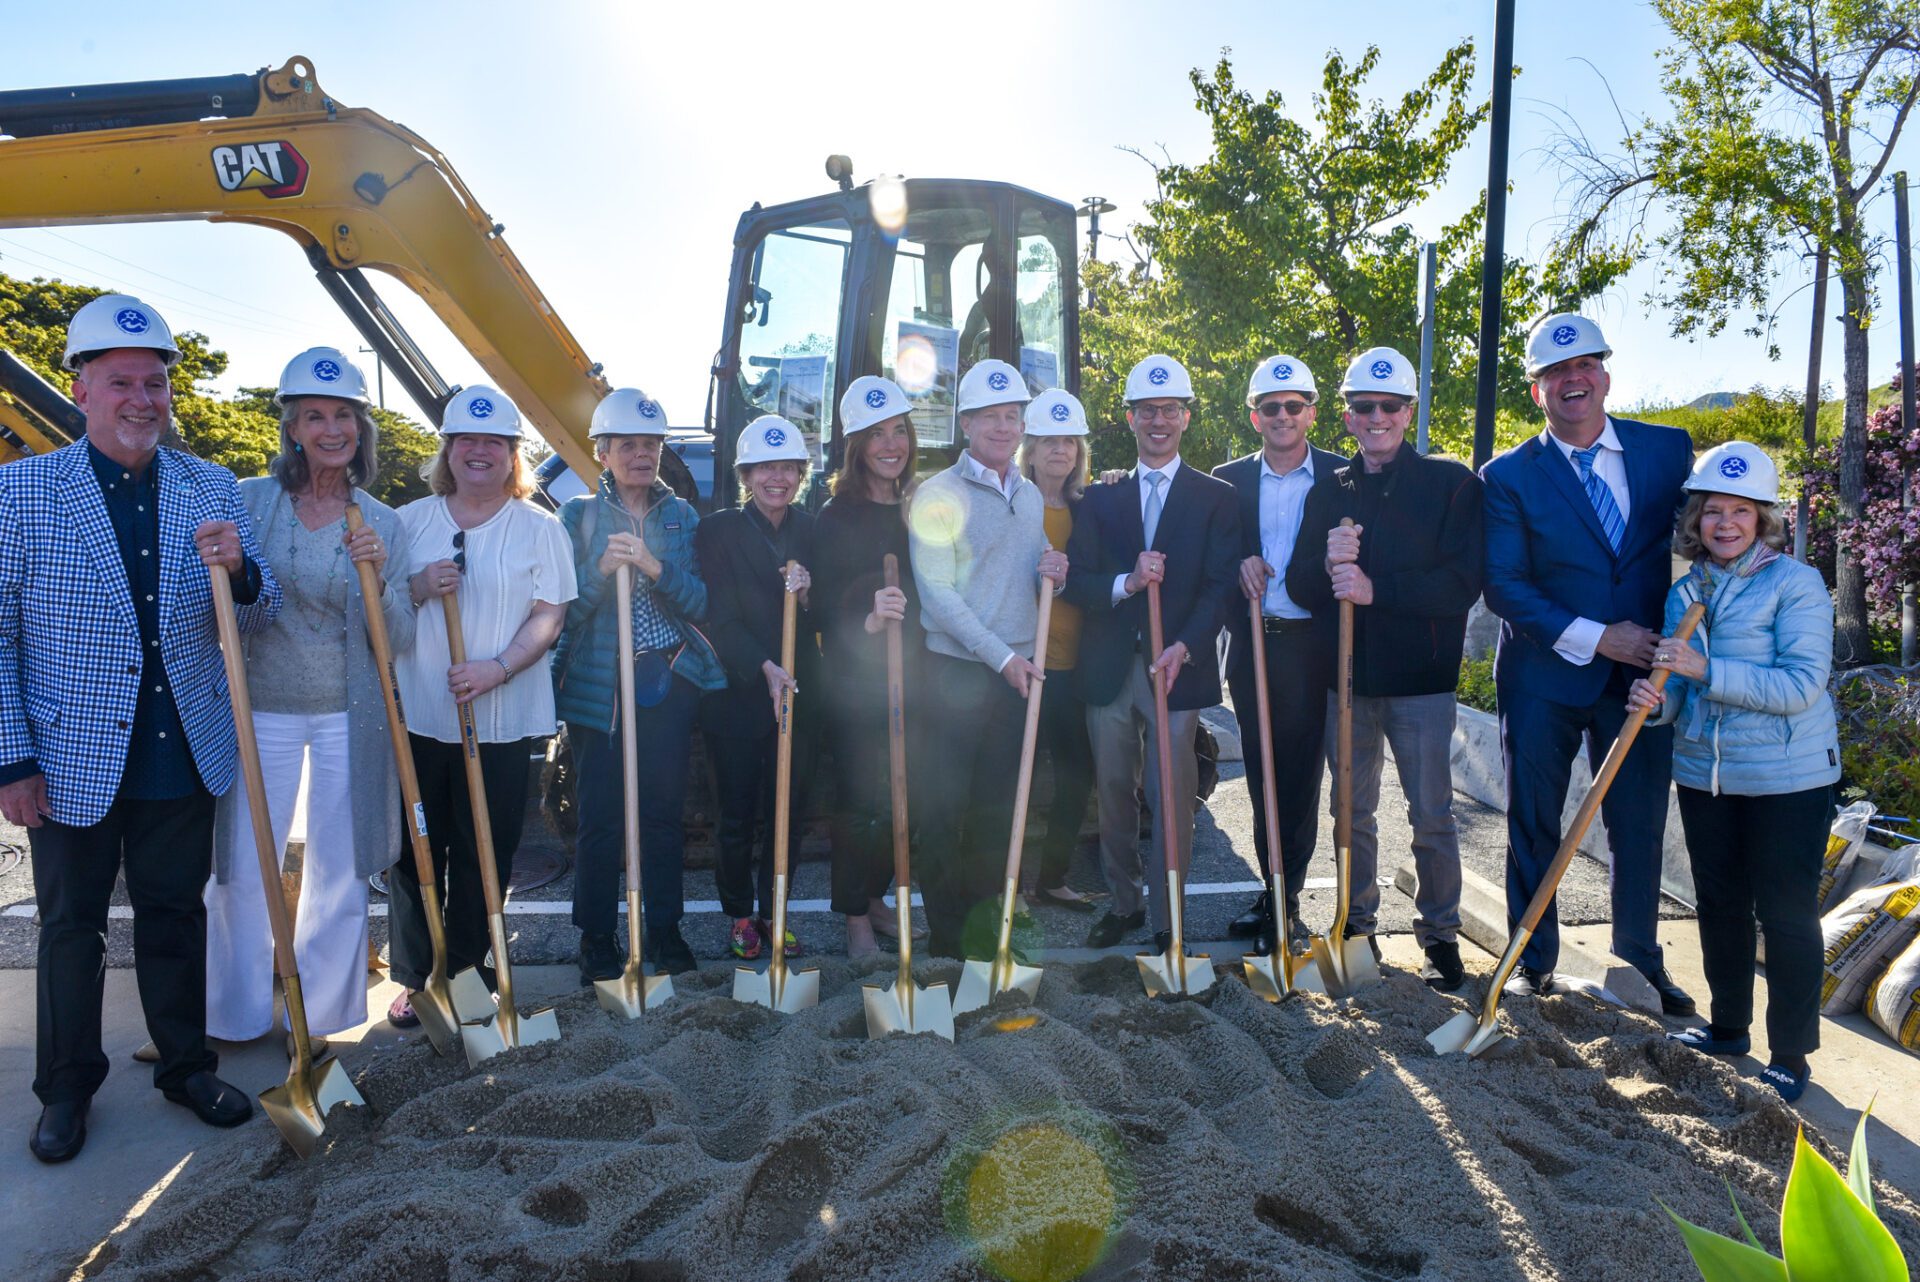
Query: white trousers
[[330, 930]]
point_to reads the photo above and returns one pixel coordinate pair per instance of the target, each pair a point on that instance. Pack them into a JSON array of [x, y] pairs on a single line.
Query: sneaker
[[1528, 982], [792, 946], [745, 943], [599, 958], [1443, 971], [671, 956]]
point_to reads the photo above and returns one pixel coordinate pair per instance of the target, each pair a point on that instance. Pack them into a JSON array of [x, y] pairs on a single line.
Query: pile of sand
[[1093, 1131]]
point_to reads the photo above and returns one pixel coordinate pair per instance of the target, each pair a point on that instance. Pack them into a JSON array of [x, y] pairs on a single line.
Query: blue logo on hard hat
[[648, 409], [1060, 412], [480, 407], [131, 320], [1733, 467], [997, 381], [1381, 369], [1158, 375], [774, 436], [326, 371], [1282, 373], [876, 398], [1563, 335]]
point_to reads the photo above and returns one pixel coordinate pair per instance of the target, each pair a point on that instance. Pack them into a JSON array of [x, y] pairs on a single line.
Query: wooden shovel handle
[[228, 625], [1343, 728], [1270, 804], [1162, 733], [476, 781], [783, 770], [629, 731], [897, 733], [1029, 740], [1616, 755]]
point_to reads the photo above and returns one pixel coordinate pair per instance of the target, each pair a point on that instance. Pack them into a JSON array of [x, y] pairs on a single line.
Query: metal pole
[[1429, 264], [1902, 231], [1810, 413], [379, 375], [1493, 264]]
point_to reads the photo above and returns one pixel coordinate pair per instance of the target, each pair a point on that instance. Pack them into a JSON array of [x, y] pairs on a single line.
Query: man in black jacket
[[1412, 564]]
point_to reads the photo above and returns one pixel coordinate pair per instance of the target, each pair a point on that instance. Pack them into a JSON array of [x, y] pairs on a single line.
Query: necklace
[[319, 611]]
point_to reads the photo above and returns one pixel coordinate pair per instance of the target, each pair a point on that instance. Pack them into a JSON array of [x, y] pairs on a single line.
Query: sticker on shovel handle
[[420, 818]]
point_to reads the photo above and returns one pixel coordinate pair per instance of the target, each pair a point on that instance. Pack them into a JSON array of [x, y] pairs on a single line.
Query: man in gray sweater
[[979, 553]]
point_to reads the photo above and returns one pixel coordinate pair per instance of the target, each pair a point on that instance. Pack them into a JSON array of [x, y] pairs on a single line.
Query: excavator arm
[[356, 190]]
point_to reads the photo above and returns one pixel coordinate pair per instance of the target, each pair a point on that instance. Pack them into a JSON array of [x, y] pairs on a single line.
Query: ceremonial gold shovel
[[1279, 974], [433, 1003], [1173, 971], [299, 1107], [633, 990], [779, 988], [904, 1008], [981, 982], [1477, 1034], [487, 1027]]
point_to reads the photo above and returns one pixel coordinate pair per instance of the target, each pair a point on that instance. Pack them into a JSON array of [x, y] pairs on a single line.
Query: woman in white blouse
[[513, 569]]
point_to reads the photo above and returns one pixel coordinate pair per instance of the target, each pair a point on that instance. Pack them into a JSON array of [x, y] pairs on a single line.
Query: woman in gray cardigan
[[317, 710], [1756, 753]]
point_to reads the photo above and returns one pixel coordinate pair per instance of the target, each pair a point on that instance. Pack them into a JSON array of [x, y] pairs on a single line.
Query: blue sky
[[619, 145]]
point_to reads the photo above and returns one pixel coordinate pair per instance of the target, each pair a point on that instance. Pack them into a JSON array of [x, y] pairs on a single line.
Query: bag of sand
[[1844, 839], [1869, 927], [1893, 1000]]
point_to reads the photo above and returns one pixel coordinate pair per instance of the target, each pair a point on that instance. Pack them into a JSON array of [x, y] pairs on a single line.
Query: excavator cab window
[[1045, 245], [790, 327], [938, 322]]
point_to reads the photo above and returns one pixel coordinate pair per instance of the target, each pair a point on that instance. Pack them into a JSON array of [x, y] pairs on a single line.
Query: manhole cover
[[532, 869]]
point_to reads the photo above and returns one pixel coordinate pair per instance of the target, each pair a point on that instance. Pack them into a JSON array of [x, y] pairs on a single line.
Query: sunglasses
[[1274, 409], [1366, 409], [460, 551]]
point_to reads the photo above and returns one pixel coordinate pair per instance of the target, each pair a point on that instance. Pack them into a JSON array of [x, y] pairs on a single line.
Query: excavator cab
[[916, 280]]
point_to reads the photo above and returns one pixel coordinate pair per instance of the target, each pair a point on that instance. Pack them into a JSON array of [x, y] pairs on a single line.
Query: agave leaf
[[1826, 1233], [1859, 1173], [1745, 1228], [1721, 1259]]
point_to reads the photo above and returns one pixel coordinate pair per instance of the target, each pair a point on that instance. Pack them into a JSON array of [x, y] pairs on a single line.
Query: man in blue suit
[[1169, 524], [1579, 524], [116, 732]]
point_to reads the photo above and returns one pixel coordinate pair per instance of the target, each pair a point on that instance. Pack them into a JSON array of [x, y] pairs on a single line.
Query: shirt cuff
[[246, 587], [1579, 642], [1120, 592], [14, 772]]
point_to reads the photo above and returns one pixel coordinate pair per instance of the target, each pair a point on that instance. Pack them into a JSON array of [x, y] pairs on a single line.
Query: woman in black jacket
[[860, 525], [743, 553]]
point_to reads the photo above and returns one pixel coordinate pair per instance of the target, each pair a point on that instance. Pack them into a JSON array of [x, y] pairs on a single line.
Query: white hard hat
[[992, 382], [1737, 468], [117, 320], [322, 371], [1561, 337], [1381, 369], [627, 411], [1158, 376], [1281, 374], [1056, 412], [480, 409], [770, 439], [871, 399]]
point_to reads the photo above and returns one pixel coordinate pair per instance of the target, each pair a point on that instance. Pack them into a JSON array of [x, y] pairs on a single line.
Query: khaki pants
[[1122, 734]]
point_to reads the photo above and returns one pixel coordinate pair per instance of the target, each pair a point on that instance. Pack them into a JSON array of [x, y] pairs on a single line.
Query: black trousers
[[166, 850], [1063, 731], [456, 857], [863, 862], [1298, 673], [661, 736], [963, 801], [743, 776], [1760, 857]]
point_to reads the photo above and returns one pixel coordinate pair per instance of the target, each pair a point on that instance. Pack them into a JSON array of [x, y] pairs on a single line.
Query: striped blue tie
[[1601, 497]]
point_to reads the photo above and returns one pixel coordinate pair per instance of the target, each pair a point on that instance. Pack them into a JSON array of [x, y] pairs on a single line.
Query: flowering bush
[[1886, 539]]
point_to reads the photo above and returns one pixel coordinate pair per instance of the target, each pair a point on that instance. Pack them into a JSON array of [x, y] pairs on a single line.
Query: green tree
[[1292, 236], [1784, 116]]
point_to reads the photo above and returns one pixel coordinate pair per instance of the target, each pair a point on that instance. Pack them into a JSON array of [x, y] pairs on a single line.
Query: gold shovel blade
[[977, 987], [922, 1010], [1162, 973], [632, 993], [1345, 967], [488, 1037], [1466, 1033], [757, 988], [434, 1005], [298, 1107], [1264, 972], [472, 1000]]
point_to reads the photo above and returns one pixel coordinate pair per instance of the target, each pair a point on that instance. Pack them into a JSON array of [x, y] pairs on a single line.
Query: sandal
[[1064, 896], [401, 1014], [1703, 1040], [1789, 1084], [745, 943]]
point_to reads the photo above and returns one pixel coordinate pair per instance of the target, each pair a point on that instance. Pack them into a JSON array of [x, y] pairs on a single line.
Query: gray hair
[[289, 466]]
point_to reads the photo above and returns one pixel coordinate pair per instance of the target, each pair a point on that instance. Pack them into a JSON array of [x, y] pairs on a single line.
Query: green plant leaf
[[1746, 1229], [1859, 1173], [1721, 1259], [1826, 1233]]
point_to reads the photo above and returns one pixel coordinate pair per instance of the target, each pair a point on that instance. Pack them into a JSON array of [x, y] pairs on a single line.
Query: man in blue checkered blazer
[[116, 732]]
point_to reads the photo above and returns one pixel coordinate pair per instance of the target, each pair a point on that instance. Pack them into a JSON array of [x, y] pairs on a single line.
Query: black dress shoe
[[1443, 971], [61, 1131], [1250, 923], [212, 1100], [1674, 1002], [599, 958], [668, 951], [1162, 941], [1528, 982], [1112, 928]]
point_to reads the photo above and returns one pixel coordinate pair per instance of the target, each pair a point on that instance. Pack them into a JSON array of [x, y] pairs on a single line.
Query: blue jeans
[[662, 734]]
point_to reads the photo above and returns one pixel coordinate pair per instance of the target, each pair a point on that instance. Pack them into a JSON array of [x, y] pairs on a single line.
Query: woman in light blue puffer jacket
[[1755, 754]]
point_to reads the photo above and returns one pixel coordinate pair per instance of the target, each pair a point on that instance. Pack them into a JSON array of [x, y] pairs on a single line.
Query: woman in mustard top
[[1054, 457]]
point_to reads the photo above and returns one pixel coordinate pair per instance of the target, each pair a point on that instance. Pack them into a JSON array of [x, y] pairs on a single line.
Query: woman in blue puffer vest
[[1755, 755], [633, 519]]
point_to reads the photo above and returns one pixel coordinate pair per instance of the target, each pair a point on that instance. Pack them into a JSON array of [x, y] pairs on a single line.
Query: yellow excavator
[[916, 279]]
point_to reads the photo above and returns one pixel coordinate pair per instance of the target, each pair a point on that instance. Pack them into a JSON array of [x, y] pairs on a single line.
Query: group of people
[[117, 744]]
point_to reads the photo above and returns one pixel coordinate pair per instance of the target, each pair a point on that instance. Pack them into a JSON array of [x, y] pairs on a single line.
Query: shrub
[[1476, 683], [1879, 710]]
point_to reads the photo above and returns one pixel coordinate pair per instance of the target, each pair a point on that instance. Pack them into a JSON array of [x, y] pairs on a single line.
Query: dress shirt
[[1578, 644], [1140, 472], [1283, 498], [978, 471]]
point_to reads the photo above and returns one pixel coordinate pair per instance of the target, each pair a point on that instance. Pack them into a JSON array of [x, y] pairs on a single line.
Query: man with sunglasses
[[1272, 484], [1411, 563], [1176, 526]]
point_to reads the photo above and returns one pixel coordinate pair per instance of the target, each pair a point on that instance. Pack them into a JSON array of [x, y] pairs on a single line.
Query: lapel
[[89, 510], [1560, 474], [1639, 476], [176, 504], [1133, 526]]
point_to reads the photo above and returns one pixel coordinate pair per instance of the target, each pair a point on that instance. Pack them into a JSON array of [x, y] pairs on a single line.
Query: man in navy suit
[[1272, 485], [1579, 524], [1169, 524]]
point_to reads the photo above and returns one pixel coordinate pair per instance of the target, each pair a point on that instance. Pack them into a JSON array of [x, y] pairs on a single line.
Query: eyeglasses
[[1274, 409], [1366, 409], [460, 551], [1159, 413]]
